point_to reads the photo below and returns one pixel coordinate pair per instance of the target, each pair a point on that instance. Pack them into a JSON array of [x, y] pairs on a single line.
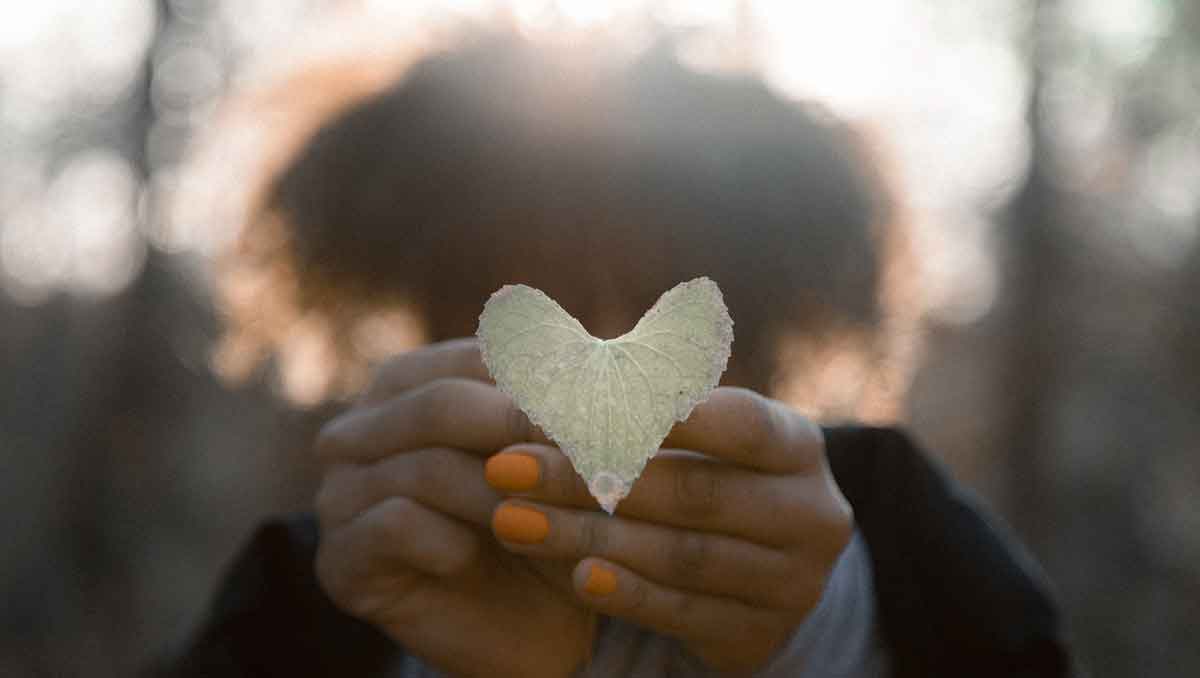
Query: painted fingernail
[[601, 581], [520, 524], [512, 472]]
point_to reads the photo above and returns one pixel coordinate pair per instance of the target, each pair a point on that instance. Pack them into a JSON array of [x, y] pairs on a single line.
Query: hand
[[404, 511], [725, 542]]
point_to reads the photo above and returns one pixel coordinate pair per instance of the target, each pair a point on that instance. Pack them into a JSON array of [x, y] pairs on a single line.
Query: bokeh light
[[945, 92], [944, 86]]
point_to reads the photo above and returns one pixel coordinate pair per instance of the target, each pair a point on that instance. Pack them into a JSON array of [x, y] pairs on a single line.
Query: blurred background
[[1048, 153]]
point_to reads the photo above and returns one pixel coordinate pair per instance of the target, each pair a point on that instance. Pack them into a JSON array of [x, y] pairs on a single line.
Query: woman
[[451, 536]]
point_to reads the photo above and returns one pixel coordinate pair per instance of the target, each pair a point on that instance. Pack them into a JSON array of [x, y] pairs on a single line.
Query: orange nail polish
[[601, 581], [520, 524], [512, 472]]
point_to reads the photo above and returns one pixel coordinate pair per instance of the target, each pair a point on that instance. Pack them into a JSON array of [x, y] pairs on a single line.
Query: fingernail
[[601, 581], [511, 472], [520, 524]]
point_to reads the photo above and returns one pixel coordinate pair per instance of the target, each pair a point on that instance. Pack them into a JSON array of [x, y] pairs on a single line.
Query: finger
[[539, 472], [684, 559], [617, 591], [371, 562], [446, 480], [458, 413], [740, 426], [454, 358], [680, 490]]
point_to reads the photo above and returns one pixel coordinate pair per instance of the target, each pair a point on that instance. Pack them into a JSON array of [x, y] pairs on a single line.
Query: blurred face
[[479, 169]]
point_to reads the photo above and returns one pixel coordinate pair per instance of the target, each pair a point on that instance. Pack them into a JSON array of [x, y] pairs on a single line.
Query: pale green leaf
[[607, 403]]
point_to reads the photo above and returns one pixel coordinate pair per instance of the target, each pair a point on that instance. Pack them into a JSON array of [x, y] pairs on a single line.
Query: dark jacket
[[957, 595]]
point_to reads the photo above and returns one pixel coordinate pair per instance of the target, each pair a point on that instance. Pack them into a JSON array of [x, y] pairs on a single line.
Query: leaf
[[607, 403]]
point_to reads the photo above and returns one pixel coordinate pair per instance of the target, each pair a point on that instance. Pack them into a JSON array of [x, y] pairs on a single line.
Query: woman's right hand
[[405, 512]]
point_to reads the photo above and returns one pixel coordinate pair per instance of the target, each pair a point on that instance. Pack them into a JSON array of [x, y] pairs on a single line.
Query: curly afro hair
[[603, 182]]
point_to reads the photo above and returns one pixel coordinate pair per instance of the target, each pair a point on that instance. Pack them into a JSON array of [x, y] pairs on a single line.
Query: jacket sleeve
[[271, 618], [956, 594]]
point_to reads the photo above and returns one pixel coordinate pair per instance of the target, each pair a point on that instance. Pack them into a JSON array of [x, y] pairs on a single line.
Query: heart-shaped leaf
[[608, 403]]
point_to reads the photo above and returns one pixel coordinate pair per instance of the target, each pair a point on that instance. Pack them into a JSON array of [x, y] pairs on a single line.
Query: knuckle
[[369, 605], [756, 421], [697, 490], [327, 499], [639, 595], [790, 503], [429, 476], [436, 401], [392, 522], [681, 609], [759, 419], [810, 441], [842, 523], [385, 375], [688, 556], [460, 560], [836, 543], [334, 439], [834, 525]]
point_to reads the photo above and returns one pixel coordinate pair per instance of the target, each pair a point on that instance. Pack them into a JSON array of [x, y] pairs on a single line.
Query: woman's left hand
[[725, 542]]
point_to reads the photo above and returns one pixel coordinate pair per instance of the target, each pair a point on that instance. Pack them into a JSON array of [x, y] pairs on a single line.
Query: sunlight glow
[[92, 204], [945, 83], [60, 62], [960, 278], [50, 51]]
